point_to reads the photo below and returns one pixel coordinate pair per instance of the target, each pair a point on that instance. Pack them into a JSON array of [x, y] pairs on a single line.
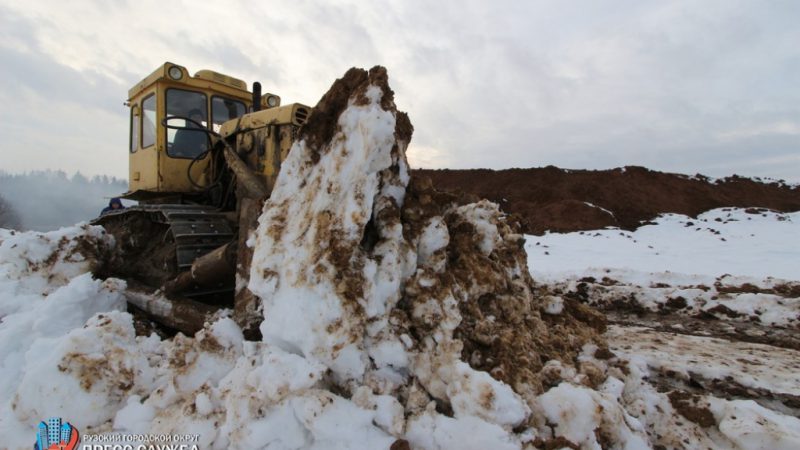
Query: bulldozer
[[204, 154]]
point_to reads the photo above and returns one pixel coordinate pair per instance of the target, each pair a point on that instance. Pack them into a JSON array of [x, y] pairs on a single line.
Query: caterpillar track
[[156, 243]]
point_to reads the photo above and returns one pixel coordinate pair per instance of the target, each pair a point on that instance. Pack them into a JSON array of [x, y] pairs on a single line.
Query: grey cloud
[[680, 85], [227, 54], [51, 80]]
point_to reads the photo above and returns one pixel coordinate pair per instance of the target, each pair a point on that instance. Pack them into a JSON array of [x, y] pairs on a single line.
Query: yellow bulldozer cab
[[167, 152], [170, 114]]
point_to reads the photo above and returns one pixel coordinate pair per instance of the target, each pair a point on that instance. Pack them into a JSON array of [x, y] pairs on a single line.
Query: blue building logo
[[56, 434]]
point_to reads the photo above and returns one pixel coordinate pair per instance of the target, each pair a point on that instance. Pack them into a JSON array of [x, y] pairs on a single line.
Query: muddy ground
[[562, 200], [693, 352]]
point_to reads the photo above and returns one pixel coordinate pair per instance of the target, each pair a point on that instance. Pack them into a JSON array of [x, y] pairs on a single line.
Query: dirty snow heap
[[415, 307]]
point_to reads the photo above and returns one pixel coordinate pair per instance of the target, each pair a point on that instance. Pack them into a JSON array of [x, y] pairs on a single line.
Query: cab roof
[[203, 79]]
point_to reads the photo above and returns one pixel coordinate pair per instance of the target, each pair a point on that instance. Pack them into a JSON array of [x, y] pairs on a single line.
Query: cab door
[[143, 158]]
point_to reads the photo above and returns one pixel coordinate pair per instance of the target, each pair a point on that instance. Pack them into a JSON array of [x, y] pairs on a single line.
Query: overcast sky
[[708, 86]]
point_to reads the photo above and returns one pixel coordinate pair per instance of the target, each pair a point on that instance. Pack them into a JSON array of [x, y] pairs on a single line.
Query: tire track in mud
[[706, 365], [695, 349], [711, 327]]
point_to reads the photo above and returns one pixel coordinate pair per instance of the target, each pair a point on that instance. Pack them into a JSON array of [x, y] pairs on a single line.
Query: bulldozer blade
[[246, 305]]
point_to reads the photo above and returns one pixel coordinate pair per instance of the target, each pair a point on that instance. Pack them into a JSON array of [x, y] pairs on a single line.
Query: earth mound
[[563, 200], [396, 289]]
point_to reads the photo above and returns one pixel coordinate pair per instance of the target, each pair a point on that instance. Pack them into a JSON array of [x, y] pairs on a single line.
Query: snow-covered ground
[[743, 266], [758, 243], [67, 348]]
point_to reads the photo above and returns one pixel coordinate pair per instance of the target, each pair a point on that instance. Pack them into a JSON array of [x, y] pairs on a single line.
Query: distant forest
[[48, 200]]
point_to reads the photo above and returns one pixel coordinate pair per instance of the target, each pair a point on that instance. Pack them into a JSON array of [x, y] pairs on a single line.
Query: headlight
[[175, 73], [273, 101]]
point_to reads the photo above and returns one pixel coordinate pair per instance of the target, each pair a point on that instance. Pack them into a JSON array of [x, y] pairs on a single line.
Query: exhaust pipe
[[256, 96]]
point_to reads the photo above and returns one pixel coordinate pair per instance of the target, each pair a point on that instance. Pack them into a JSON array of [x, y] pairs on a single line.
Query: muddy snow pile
[[47, 294], [393, 316], [415, 307]]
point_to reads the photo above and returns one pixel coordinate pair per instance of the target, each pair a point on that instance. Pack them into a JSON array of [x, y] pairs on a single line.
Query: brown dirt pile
[[322, 124], [502, 329], [555, 199], [442, 277]]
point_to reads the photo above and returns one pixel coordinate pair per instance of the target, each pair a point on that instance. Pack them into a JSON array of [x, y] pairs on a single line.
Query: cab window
[[134, 138], [190, 140], [224, 109], [149, 121]]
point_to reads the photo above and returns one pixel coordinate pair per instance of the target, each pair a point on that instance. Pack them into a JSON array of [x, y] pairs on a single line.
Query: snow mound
[[46, 296], [42, 262], [397, 294]]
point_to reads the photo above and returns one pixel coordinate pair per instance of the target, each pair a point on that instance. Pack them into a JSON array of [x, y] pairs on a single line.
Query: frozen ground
[[68, 349], [740, 242], [708, 306]]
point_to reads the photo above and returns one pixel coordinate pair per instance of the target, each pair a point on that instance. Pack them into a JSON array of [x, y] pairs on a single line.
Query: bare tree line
[[48, 200], [9, 218]]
